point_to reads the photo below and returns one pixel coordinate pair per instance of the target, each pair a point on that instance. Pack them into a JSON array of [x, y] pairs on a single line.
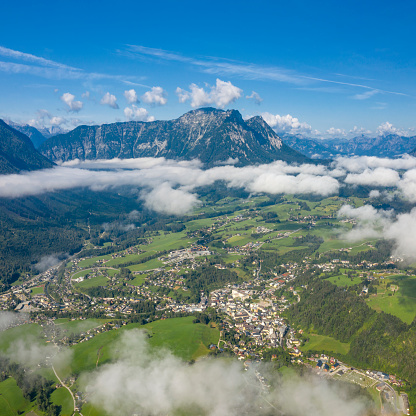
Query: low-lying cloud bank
[[148, 382], [169, 185], [8, 319], [28, 350], [373, 223]]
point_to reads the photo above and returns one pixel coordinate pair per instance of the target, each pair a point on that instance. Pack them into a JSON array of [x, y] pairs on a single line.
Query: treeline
[[32, 227], [331, 310], [33, 386], [207, 278], [377, 340], [381, 253]]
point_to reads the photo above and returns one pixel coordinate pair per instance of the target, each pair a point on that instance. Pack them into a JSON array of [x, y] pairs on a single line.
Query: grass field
[[92, 282], [168, 241], [81, 273], [128, 258], [138, 280], [12, 335], [149, 265], [343, 280], [36, 290], [12, 401], [90, 262], [185, 339], [61, 397], [182, 337], [324, 343], [402, 303]]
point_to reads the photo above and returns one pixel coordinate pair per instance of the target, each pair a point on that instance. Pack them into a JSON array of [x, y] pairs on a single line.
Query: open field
[[149, 265], [12, 335], [12, 401], [324, 343], [82, 273], [92, 282], [90, 262], [343, 280], [184, 338], [61, 397], [401, 303], [36, 290], [138, 280]]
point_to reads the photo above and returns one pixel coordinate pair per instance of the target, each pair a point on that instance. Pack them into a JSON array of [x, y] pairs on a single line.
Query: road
[[64, 385]]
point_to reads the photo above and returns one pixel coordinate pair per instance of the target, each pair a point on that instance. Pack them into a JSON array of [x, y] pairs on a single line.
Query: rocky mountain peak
[[208, 134]]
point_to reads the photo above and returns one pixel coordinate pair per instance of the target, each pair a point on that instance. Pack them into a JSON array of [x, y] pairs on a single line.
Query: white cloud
[[86, 94], [48, 261], [110, 100], [387, 128], [370, 222], [154, 382], [56, 121], [32, 58], [255, 96], [361, 163], [334, 132], [246, 70], [366, 95], [286, 124], [156, 96], [44, 119], [358, 131], [222, 94], [155, 174], [137, 114], [131, 96], [166, 199], [376, 177], [69, 100], [403, 232]]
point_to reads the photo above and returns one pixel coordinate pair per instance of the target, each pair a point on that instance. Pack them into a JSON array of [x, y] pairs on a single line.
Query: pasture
[[324, 343]]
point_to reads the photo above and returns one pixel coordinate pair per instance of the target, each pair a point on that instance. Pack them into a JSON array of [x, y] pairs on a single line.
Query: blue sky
[[313, 66]]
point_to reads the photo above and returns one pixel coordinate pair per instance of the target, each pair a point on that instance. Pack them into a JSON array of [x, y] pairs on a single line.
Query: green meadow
[[92, 282], [12, 401], [181, 336], [401, 303], [324, 343]]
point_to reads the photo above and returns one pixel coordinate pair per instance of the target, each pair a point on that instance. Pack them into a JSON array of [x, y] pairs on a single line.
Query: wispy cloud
[[365, 95], [45, 68], [221, 66], [27, 57]]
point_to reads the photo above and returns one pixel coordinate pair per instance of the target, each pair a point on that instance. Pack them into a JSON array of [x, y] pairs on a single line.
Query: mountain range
[[211, 135], [391, 145]]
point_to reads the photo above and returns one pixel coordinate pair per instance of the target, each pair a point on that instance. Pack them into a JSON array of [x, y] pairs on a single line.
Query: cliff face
[[211, 135]]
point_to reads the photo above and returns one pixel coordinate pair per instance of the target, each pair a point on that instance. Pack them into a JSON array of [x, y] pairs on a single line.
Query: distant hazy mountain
[[32, 132], [17, 152], [211, 135], [382, 146], [52, 131]]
